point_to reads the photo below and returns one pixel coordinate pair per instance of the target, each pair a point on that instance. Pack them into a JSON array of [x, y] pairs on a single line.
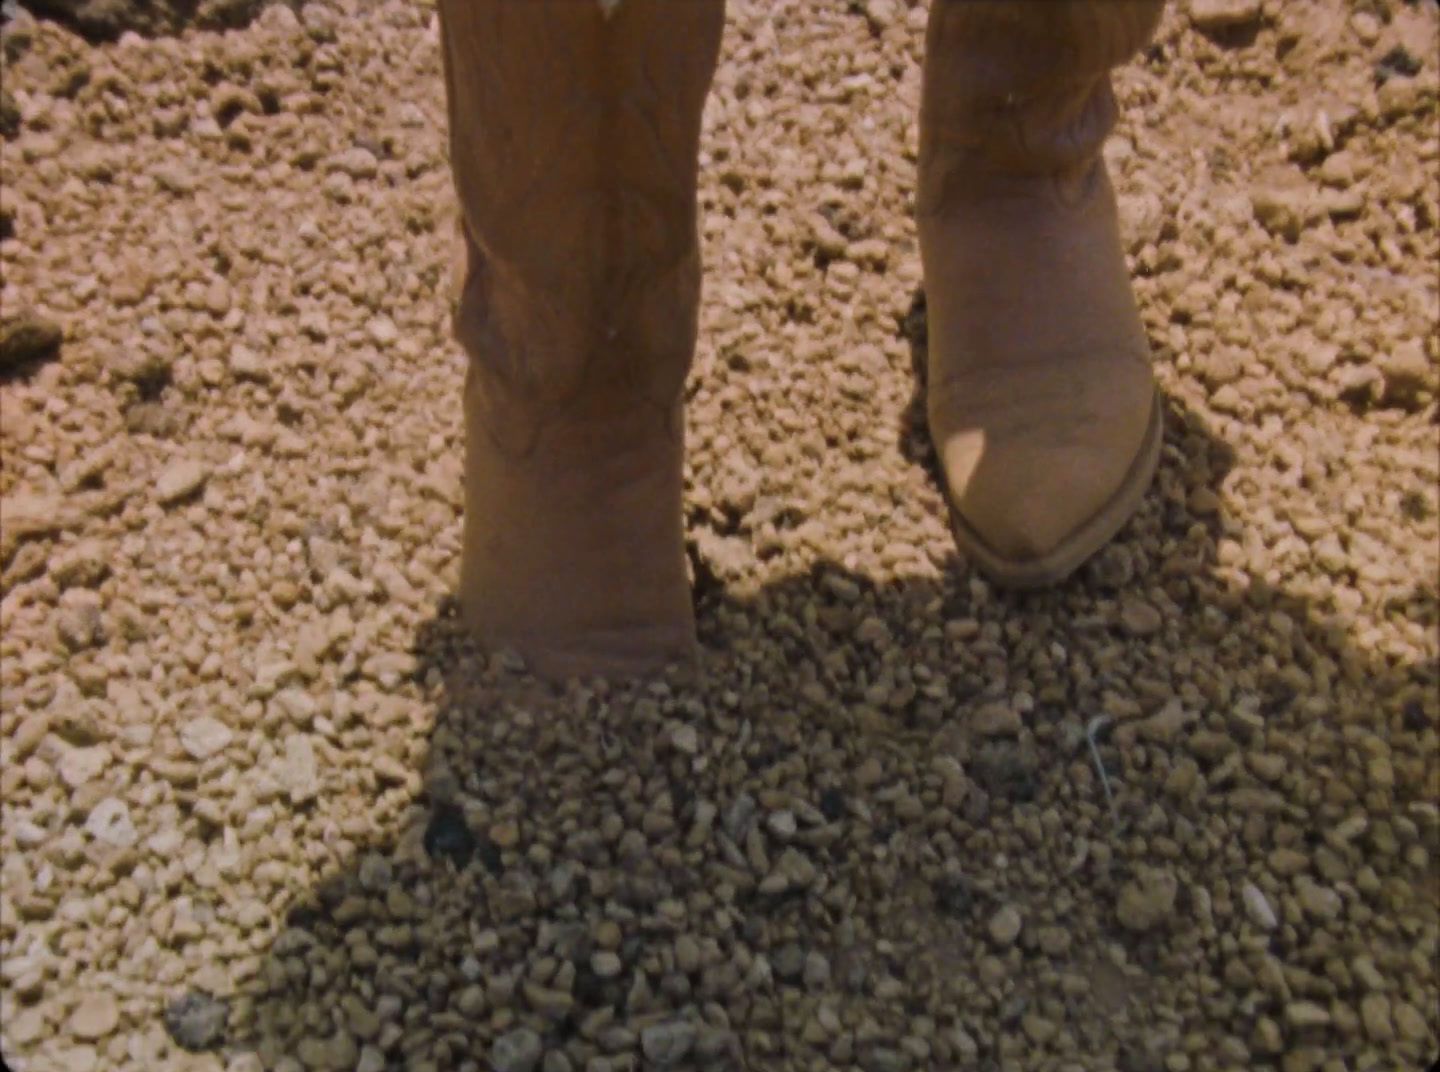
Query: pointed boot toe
[[1028, 511]]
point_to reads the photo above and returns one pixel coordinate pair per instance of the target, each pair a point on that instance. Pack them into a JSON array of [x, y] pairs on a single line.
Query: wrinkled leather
[[574, 137]]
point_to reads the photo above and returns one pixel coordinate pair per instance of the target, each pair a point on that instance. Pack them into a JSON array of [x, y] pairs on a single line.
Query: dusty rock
[[28, 735], [79, 622], [1410, 1023], [204, 736], [95, 1017], [517, 1051], [1004, 926], [27, 1026], [685, 739], [1165, 725], [1319, 901], [996, 720], [110, 822], [83, 567], [79, 766], [179, 481], [357, 162], [299, 770], [668, 1044], [1147, 901], [1257, 907], [1375, 1015], [1284, 203], [196, 1021], [1305, 1016], [1210, 16], [1139, 618], [1409, 375]]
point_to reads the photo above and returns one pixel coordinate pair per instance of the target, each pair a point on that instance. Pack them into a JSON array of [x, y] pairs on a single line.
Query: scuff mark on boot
[[608, 8]]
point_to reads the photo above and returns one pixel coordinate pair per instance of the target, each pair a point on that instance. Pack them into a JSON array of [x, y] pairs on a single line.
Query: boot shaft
[[1016, 90], [575, 130], [574, 144]]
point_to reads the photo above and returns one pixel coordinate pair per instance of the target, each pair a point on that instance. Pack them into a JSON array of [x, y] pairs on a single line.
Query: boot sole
[[1085, 541]]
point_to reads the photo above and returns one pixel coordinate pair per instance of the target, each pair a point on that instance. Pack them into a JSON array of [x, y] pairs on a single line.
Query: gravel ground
[[265, 809]]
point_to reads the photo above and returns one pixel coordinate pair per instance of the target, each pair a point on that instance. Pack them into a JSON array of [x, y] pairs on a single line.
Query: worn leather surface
[[1040, 390], [574, 142]]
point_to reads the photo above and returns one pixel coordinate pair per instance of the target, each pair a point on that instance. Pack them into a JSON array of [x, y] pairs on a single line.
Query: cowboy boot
[[574, 139], [1041, 402]]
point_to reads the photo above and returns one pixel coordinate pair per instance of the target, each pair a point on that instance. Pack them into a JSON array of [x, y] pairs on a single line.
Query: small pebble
[[96, 1017], [179, 481], [517, 1051], [197, 1021], [1257, 907], [1004, 926]]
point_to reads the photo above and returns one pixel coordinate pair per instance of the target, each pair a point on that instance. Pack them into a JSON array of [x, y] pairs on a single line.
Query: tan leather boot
[[1041, 401], [574, 136]]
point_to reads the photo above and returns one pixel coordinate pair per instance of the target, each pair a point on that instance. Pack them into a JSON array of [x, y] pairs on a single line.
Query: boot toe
[[1029, 510]]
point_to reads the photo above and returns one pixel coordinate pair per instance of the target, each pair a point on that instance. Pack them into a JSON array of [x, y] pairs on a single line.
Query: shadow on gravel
[[679, 870], [100, 21]]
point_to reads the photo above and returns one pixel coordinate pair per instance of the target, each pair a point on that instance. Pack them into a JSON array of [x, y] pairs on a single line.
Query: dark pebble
[[954, 895], [1399, 61], [788, 962], [197, 1021], [27, 339], [448, 835], [1007, 771], [491, 858]]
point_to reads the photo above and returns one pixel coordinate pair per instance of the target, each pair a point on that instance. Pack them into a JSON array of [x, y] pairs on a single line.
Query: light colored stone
[[1375, 1016], [299, 771], [28, 735], [782, 824], [81, 765], [1306, 1016], [204, 736], [1410, 1022], [1004, 926], [517, 1051], [180, 480], [686, 739], [1217, 15], [109, 822], [667, 1044], [1257, 907], [96, 1017], [357, 162]]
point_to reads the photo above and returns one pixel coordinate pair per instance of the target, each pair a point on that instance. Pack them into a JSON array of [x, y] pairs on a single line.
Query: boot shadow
[[694, 862], [914, 438]]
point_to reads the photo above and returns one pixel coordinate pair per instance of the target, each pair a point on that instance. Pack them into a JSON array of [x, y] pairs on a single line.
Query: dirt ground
[[265, 809]]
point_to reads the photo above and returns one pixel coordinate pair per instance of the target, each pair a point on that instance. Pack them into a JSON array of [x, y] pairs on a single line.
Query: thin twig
[[1096, 724]]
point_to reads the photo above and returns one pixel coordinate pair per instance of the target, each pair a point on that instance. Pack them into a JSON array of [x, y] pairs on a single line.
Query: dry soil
[[265, 809]]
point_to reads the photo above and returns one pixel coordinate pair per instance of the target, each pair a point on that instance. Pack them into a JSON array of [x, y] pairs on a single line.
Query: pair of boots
[[574, 136]]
